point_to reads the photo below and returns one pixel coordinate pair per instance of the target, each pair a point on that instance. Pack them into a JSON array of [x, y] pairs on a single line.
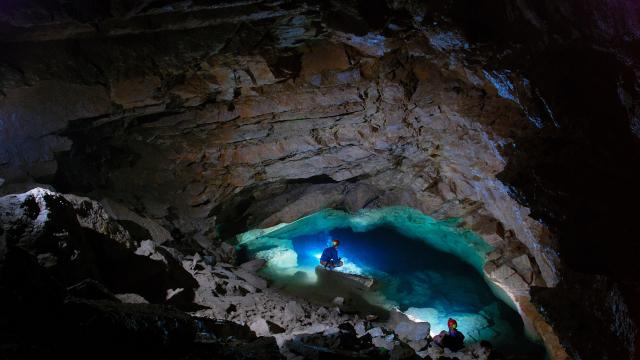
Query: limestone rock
[[510, 279], [412, 331], [251, 278], [383, 342], [376, 332], [523, 266], [292, 312], [418, 345], [253, 265], [402, 351], [91, 214], [126, 217], [77, 240], [396, 317], [338, 301], [260, 327], [177, 111], [131, 299], [225, 253]]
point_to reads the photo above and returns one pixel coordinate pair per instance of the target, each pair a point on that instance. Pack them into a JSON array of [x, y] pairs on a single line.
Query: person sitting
[[329, 258], [453, 339]]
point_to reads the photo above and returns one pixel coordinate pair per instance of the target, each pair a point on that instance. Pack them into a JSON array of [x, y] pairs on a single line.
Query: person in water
[[453, 339], [329, 258]]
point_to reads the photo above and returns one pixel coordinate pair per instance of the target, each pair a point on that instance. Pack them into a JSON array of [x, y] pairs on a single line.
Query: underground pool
[[428, 269]]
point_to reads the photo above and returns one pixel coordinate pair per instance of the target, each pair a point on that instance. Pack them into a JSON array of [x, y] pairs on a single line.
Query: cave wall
[[212, 118], [582, 57], [176, 128], [577, 177]]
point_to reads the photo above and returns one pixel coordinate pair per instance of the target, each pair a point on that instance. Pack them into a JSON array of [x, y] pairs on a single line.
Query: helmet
[[452, 323], [335, 242]]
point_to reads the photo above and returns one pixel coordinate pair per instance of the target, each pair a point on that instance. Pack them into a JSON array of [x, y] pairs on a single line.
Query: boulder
[[131, 299], [523, 266], [292, 312], [92, 215], [345, 280], [402, 351], [251, 278], [253, 265], [347, 327], [413, 331], [396, 317], [385, 342], [140, 227], [275, 328], [260, 327], [376, 332], [45, 224], [330, 331], [418, 345], [75, 239], [225, 253]]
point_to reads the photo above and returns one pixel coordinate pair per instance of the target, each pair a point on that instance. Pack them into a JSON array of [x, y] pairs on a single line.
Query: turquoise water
[[428, 269]]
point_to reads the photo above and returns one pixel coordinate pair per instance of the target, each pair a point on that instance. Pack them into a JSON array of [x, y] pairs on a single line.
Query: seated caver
[[329, 258], [453, 339]]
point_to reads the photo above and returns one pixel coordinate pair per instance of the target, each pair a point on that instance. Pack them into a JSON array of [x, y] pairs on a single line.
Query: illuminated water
[[428, 269]]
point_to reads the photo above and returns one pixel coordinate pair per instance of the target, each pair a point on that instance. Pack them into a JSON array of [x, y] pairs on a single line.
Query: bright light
[[429, 315], [317, 256]]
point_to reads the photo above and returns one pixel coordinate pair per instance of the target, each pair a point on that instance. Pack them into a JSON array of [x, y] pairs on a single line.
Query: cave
[[428, 269], [170, 171]]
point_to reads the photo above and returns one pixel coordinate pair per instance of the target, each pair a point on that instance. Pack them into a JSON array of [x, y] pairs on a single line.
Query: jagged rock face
[[213, 118], [74, 239], [582, 56], [88, 318], [48, 242]]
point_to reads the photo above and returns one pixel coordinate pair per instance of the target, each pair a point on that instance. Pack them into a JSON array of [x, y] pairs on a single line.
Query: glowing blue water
[[429, 269]]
